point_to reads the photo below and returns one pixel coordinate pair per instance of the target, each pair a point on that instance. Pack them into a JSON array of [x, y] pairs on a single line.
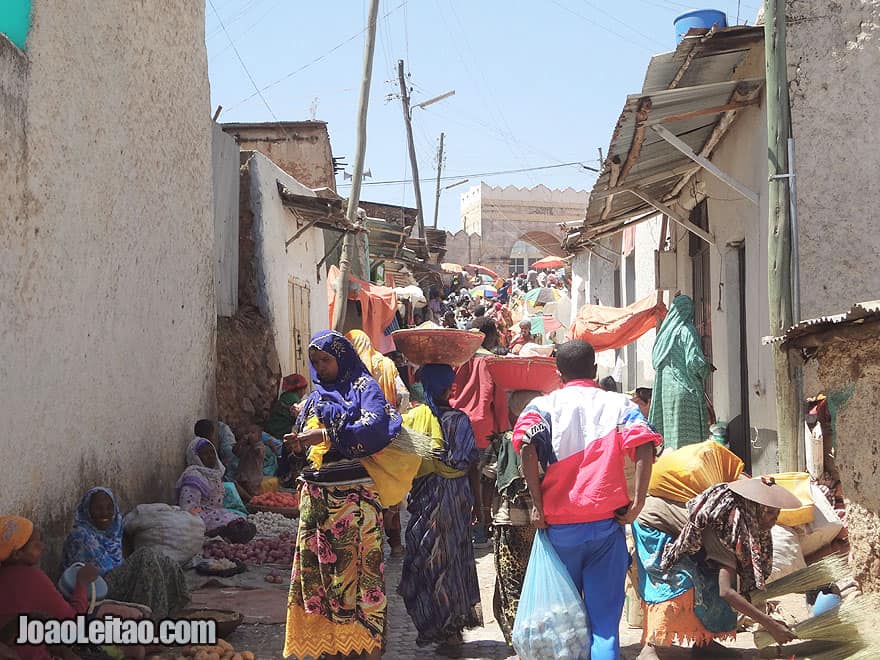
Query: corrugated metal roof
[[858, 313], [681, 86]]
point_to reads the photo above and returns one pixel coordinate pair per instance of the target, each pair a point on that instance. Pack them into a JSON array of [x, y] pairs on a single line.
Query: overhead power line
[[287, 76], [478, 174], [244, 66]]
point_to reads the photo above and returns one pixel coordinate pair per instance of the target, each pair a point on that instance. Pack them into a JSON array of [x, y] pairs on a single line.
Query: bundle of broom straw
[[830, 569], [853, 623], [413, 442]]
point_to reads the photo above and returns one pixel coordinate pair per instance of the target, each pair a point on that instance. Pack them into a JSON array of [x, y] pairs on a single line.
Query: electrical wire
[[244, 66], [478, 174], [246, 31], [628, 25], [599, 25], [287, 76]]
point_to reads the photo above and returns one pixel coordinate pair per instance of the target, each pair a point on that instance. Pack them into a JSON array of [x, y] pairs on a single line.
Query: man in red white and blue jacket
[[581, 435]]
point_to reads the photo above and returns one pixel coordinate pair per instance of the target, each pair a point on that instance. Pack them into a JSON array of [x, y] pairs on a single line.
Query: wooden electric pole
[[348, 243], [414, 165], [439, 171], [779, 243]]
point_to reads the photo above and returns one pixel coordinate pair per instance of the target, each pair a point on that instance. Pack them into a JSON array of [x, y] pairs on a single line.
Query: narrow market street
[[486, 643]]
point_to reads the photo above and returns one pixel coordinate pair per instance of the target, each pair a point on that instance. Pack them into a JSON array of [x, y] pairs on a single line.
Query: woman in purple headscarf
[[337, 602], [439, 580]]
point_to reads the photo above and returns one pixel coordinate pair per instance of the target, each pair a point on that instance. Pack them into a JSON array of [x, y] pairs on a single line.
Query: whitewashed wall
[[106, 255], [273, 226]]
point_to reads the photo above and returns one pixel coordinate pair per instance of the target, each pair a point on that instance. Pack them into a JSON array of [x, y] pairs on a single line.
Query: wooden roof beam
[[642, 113], [706, 164], [741, 93], [675, 217]]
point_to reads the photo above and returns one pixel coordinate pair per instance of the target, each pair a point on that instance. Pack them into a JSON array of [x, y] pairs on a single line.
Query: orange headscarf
[[15, 532], [380, 367]]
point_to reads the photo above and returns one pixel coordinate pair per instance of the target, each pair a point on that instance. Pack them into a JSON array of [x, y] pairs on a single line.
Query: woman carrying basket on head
[[439, 580]]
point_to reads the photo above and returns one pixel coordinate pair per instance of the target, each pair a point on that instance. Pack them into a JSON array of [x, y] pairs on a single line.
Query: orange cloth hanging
[[378, 304], [614, 327]]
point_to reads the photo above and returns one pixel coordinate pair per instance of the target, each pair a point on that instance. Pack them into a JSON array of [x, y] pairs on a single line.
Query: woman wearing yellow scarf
[[385, 372]]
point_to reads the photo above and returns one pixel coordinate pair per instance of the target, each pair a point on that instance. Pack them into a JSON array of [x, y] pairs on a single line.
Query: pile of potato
[[222, 650]]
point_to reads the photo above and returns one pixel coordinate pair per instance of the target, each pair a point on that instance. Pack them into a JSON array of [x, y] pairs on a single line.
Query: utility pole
[[414, 165], [354, 196], [439, 171], [779, 243]]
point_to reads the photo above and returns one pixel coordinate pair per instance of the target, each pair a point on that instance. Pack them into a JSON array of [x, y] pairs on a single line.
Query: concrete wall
[[646, 241], [275, 265], [106, 251], [850, 375], [734, 220], [300, 148], [835, 107], [225, 163]]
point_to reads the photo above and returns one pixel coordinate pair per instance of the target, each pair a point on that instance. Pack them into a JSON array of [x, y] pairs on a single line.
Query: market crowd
[[360, 437]]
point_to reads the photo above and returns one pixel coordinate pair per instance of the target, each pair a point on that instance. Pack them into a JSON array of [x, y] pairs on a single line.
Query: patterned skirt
[[337, 588], [513, 545], [439, 579], [147, 577]]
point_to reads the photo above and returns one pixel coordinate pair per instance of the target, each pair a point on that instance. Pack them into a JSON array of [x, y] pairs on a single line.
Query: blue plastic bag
[[551, 620]]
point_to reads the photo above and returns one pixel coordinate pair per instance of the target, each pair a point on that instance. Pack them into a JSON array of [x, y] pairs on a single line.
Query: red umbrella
[[483, 269], [549, 262]]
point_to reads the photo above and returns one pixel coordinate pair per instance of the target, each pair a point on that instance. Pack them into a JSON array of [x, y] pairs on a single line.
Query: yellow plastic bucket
[[798, 484]]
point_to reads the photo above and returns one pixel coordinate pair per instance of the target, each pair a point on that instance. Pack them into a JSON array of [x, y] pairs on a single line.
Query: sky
[[538, 83]]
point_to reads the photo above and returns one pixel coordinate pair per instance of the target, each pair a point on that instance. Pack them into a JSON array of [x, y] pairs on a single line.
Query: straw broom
[[413, 442], [853, 622], [828, 570]]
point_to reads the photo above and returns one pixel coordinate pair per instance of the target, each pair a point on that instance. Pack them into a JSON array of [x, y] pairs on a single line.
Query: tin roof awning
[[667, 133]]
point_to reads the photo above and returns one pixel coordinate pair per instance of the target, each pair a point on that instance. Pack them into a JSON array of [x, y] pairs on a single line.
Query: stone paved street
[[486, 643]]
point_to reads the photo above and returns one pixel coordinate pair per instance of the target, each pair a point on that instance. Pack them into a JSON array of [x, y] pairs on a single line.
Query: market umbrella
[[543, 325], [484, 290], [541, 296], [549, 262], [483, 270], [451, 268]]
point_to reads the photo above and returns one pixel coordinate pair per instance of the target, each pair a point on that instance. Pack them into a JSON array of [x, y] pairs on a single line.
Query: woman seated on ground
[[27, 589], [690, 556], [145, 577], [200, 491]]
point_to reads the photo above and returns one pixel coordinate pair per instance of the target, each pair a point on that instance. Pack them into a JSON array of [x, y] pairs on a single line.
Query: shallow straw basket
[[853, 622], [828, 570], [431, 344]]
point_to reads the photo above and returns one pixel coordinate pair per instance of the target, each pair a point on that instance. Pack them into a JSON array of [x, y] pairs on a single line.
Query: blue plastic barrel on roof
[[700, 18]]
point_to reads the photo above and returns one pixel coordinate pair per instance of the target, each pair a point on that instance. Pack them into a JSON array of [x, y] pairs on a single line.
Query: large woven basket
[[437, 346]]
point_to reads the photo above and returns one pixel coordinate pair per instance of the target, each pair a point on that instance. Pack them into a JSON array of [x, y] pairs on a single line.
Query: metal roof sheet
[[858, 313], [683, 88]]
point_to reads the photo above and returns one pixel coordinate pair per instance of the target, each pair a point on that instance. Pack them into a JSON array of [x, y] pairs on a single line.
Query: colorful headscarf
[[293, 382], [15, 532], [436, 379], [353, 410], [736, 522], [208, 481], [380, 367], [90, 545]]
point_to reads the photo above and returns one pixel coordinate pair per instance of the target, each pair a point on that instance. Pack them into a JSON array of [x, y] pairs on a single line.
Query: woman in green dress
[[678, 406]]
